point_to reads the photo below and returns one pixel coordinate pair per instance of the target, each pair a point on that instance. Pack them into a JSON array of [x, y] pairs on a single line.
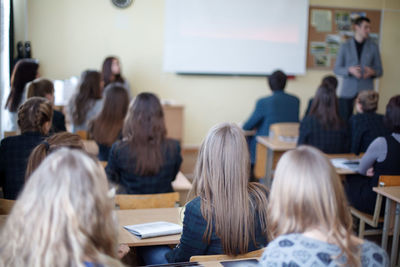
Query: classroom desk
[[276, 148], [392, 194], [129, 217]]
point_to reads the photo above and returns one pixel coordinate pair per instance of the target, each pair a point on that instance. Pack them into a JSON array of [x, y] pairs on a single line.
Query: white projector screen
[[235, 37]]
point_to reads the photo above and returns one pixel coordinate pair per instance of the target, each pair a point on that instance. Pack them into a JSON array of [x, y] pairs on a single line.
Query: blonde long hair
[[307, 194], [63, 216], [229, 203]]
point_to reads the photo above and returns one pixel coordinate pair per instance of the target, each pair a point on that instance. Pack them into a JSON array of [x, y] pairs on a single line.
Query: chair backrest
[[149, 201], [82, 134], [384, 180], [254, 254], [284, 129], [10, 133], [6, 206]]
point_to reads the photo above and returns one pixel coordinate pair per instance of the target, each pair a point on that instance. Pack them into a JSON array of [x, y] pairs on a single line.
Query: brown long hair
[[52, 143], [229, 203], [106, 73], [144, 128], [107, 126], [325, 108], [24, 71], [33, 114], [40, 87], [89, 89], [307, 194]]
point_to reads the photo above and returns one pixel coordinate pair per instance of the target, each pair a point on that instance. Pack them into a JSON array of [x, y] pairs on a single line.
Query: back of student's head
[[330, 81], [107, 126], [221, 179], [24, 71], [392, 115], [40, 87], [277, 80], [63, 217], [325, 108], [368, 99], [33, 114], [89, 89], [307, 194], [144, 128], [51, 144]]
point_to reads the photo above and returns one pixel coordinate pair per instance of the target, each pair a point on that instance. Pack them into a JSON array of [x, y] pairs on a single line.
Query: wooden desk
[[392, 194], [348, 156], [183, 186], [129, 217]]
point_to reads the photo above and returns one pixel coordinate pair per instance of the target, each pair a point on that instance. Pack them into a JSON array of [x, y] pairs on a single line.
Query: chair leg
[[361, 230]]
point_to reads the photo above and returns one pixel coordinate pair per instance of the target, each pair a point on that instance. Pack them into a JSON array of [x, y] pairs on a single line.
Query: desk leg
[[268, 171], [395, 243], [386, 223]]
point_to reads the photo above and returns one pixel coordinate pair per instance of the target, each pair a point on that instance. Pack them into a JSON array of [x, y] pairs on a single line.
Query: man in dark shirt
[[358, 61]]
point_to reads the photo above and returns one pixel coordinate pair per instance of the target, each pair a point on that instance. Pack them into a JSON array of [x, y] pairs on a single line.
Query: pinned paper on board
[[322, 20]]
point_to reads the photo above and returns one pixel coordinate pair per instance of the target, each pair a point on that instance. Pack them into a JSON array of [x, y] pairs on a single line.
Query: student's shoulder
[[375, 253]]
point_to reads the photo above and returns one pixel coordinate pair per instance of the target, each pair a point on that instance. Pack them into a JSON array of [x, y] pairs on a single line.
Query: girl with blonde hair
[[64, 216], [34, 120], [228, 214], [309, 219]]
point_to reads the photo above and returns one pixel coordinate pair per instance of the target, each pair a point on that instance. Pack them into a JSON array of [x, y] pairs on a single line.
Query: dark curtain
[[11, 36]]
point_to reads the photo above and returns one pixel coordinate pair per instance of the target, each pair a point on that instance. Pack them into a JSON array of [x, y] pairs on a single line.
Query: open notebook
[[153, 229], [346, 164]]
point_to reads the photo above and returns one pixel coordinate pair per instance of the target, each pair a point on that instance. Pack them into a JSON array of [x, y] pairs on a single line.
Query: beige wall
[[69, 36]]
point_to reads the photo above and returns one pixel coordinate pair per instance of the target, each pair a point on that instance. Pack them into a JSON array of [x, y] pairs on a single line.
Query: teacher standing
[[358, 61]]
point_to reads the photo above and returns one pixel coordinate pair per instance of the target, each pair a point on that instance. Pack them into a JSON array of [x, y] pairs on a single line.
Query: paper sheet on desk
[[153, 229], [347, 164]]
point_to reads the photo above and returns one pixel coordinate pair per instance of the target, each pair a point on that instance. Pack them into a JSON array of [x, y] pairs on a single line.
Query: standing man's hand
[[355, 71], [368, 72]]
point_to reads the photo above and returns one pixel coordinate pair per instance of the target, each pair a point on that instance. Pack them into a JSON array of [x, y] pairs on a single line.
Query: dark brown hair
[[329, 81], [107, 126], [52, 143], [392, 115], [24, 71], [89, 90], [106, 73], [33, 114], [277, 80], [144, 128], [40, 87], [325, 108]]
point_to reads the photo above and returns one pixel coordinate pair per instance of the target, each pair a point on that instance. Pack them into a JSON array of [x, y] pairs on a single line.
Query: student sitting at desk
[[323, 128], [45, 88], [63, 217], [87, 102], [228, 215], [381, 158], [106, 128], [34, 120], [366, 125], [279, 107], [309, 221], [145, 161]]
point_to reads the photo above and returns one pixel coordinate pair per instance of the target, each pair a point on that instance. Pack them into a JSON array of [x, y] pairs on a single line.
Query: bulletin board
[[329, 27]]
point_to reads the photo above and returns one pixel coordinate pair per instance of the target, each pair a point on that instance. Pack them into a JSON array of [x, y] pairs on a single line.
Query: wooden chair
[[82, 134], [10, 133], [284, 129], [288, 130], [375, 218], [254, 254], [5, 206], [150, 201]]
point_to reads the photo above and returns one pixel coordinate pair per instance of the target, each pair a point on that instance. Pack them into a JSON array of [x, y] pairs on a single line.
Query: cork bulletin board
[[329, 27]]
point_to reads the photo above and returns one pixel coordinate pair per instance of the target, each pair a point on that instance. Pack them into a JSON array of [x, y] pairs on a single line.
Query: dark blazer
[[279, 107], [121, 169], [58, 123], [194, 226], [364, 129], [14, 154], [345, 106], [328, 141]]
